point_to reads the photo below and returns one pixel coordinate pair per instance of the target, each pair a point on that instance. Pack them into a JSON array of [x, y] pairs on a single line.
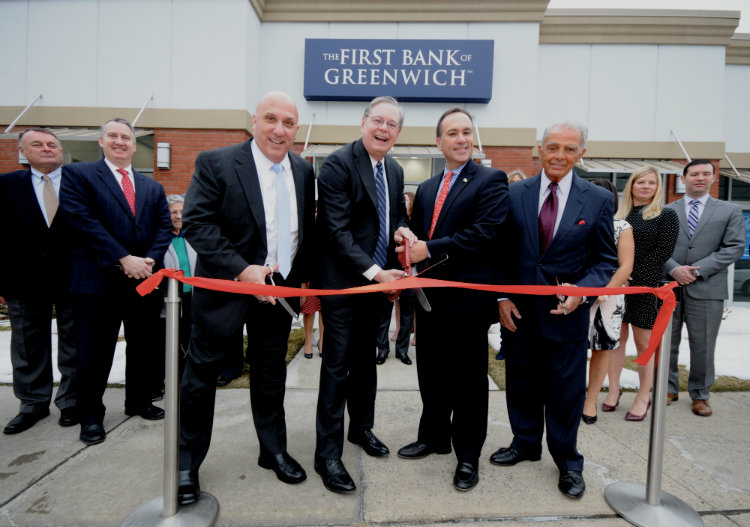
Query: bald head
[[275, 125]]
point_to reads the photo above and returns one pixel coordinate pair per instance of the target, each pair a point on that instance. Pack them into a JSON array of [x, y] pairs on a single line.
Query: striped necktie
[[381, 249], [693, 216]]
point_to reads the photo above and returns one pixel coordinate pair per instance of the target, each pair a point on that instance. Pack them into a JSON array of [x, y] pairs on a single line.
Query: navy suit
[[225, 222], [452, 343], [104, 297], [546, 355], [34, 276]]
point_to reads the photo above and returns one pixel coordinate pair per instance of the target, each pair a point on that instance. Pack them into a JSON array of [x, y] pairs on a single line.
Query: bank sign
[[410, 70]]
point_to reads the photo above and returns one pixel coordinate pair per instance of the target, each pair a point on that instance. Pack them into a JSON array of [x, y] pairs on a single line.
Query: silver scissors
[[283, 301]]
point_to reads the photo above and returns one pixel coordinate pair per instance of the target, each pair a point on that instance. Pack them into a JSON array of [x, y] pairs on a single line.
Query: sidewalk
[[48, 477]]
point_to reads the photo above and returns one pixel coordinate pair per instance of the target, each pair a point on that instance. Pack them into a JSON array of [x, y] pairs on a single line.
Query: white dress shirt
[[36, 178]]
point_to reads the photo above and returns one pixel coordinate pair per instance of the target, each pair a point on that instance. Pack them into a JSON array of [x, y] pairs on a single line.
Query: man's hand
[[256, 274], [566, 305], [685, 274], [508, 310], [417, 251], [389, 275], [3, 301], [137, 267], [404, 232]]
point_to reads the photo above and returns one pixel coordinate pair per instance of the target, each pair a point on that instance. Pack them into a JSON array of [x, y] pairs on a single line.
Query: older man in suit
[[458, 214], [34, 277], [712, 237], [122, 229], [560, 231], [249, 215], [361, 214]]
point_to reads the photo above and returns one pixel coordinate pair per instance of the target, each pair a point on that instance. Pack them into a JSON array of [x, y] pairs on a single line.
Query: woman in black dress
[[655, 232]]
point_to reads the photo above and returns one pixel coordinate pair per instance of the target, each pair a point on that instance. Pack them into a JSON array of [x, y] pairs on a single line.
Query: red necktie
[[439, 201], [548, 217], [127, 189]]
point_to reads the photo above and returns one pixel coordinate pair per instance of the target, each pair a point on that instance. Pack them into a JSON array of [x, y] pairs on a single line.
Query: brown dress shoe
[[702, 408], [671, 397]]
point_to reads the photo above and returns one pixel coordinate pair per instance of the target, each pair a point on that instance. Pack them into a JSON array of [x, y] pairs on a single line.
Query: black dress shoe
[[285, 466], [509, 456], [24, 421], [571, 484], [382, 355], [334, 475], [188, 487], [92, 434], [68, 417], [370, 444], [151, 412], [589, 420], [404, 358], [466, 476], [418, 450]]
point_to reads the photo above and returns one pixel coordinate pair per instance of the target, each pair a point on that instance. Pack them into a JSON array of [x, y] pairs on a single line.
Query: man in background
[[34, 279]]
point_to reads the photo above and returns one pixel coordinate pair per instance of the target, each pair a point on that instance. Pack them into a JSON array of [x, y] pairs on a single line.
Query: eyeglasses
[[379, 121]]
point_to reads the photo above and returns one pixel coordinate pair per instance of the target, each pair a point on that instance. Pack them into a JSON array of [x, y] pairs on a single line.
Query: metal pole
[[32, 103], [150, 98], [163, 511], [171, 400], [648, 506]]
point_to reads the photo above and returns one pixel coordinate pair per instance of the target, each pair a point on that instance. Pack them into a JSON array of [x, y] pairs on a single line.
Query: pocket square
[[581, 222]]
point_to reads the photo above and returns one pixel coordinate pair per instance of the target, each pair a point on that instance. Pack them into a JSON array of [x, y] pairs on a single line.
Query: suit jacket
[[718, 241], [224, 220], [468, 228], [37, 257], [582, 253], [106, 229], [348, 224]]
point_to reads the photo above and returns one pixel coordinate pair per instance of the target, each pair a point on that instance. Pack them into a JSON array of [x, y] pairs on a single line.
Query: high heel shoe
[[589, 420], [633, 417], [608, 407]]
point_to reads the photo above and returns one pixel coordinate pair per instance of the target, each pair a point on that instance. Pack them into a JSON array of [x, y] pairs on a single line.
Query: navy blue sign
[[410, 70]]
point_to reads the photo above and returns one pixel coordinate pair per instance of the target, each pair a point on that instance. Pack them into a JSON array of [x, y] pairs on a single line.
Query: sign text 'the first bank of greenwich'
[[410, 70]]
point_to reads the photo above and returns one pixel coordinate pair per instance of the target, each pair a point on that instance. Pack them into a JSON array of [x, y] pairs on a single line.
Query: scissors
[[561, 298], [282, 301]]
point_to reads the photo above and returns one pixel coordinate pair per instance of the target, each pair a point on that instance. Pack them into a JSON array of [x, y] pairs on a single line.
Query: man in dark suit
[[712, 237], [559, 231], [361, 214], [122, 229], [249, 214], [34, 277], [458, 214]]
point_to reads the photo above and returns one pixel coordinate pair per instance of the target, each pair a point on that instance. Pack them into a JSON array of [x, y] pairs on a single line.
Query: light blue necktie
[[283, 230], [693, 217], [381, 249]]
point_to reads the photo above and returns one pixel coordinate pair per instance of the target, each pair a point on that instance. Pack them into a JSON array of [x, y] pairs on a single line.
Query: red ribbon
[[665, 293]]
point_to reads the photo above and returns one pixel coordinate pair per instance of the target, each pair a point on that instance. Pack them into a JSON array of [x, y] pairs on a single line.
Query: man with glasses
[[361, 216], [559, 231]]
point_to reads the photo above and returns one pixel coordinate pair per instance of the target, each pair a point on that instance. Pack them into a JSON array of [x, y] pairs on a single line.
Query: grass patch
[[296, 341], [724, 383]]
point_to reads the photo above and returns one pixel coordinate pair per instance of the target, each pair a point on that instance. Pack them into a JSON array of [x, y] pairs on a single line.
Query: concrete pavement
[[48, 477]]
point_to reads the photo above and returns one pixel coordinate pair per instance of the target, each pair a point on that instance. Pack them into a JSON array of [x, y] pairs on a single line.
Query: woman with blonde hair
[[655, 230]]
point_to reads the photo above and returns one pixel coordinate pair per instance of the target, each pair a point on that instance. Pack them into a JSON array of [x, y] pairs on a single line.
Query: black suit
[[452, 343], [225, 222], [104, 297], [34, 276], [348, 233]]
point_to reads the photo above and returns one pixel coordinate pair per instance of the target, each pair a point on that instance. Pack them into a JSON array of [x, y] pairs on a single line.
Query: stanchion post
[[163, 511], [648, 506]]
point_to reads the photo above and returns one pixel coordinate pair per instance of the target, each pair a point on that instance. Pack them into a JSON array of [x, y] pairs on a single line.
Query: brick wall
[[9, 156], [185, 145], [673, 178], [509, 158]]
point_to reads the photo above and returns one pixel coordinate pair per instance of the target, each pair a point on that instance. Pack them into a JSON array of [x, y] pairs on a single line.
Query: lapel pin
[[466, 180]]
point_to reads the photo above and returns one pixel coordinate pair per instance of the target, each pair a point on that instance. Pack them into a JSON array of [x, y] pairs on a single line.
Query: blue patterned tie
[[283, 230], [693, 217], [381, 249]]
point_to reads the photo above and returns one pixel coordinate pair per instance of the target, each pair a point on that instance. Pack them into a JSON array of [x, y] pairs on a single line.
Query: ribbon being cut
[[665, 293]]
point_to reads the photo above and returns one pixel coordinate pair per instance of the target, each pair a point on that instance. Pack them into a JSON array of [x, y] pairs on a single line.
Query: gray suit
[[718, 241]]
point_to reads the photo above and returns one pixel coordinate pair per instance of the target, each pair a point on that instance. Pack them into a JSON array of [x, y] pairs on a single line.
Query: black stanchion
[[649, 506], [163, 511]]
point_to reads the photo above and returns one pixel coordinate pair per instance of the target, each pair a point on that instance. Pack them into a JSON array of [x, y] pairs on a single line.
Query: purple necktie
[[547, 218]]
